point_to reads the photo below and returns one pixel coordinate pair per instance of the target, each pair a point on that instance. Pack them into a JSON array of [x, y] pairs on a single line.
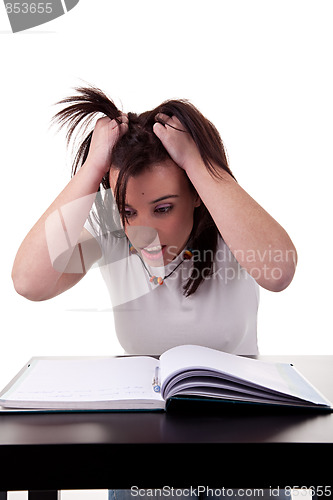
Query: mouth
[[153, 252]]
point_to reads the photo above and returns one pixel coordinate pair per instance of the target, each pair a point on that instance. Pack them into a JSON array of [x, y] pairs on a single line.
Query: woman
[[182, 249]]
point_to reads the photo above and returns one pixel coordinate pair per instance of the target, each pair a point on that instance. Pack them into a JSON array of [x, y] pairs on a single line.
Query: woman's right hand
[[106, 134]]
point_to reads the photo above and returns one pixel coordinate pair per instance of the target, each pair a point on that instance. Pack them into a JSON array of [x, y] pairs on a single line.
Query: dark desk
[[237, 447]]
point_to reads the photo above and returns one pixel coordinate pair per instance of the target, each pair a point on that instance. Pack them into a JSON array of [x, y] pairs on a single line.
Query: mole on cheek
[[142, 194]]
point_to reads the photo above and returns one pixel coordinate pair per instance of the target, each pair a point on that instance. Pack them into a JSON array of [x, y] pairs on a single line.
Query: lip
[[153, 253]]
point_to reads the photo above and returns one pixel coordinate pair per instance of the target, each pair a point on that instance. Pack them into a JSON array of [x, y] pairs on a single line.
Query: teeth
[[153, 249]]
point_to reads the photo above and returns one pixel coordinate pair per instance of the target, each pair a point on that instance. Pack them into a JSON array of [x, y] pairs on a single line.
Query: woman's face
[[159, 210]]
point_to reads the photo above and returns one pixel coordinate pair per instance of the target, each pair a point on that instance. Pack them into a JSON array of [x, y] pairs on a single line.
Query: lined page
[[86, 380]]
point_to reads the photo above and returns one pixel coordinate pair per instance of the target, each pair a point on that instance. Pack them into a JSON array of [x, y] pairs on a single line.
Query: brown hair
[[138, 149]]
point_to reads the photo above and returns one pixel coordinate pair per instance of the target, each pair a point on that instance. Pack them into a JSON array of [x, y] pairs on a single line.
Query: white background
[[260, 70]]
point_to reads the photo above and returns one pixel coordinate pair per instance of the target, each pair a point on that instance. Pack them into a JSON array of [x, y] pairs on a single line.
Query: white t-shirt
[[149, 318]]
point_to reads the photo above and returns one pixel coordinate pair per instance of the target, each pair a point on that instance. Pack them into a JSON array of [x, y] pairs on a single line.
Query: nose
[[142, 236]]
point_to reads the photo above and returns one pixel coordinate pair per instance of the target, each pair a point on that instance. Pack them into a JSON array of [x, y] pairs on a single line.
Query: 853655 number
[[29, 8], [299, 491]]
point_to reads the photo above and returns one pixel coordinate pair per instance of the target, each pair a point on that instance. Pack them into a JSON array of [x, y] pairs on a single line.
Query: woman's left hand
[[177, 141]]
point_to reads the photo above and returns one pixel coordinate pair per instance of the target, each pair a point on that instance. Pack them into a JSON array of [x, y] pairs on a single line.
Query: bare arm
[[58, 251], [257, 241]]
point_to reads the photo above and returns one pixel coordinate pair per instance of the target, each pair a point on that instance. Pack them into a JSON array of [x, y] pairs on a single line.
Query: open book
[[146, 383]]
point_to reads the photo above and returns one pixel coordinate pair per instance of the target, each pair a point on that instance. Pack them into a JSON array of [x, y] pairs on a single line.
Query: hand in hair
[[177, 141], [106, 134]]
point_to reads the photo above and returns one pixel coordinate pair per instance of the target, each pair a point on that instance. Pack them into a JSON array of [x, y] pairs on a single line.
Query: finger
[[176, 123], [104, 120], [162, 118], [159, 130], [118, 121], [123, 118], [123, 128], [170, 121]]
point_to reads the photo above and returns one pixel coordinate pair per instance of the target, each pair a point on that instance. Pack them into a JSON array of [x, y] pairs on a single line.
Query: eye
[[129, 212], [163, 209]]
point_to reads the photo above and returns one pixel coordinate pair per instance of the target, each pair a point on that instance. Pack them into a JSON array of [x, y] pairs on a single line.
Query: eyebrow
[[164, 198]]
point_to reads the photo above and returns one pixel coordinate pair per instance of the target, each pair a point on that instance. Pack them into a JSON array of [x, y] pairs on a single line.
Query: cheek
[[182, 226]]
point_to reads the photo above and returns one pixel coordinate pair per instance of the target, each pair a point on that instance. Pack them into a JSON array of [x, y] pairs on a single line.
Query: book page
[[86, 380], [276, 377]]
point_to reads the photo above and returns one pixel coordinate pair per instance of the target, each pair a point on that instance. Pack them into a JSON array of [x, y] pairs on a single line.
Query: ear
[[197, 200]]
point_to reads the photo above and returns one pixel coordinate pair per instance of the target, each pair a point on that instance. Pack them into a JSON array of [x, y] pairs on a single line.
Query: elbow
[[24, 291], [277, 276], [281, 276], [25, 288], [288, 271], [278, 285]]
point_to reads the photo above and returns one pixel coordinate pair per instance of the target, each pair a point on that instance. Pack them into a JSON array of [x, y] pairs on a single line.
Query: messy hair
[[139, 149]]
